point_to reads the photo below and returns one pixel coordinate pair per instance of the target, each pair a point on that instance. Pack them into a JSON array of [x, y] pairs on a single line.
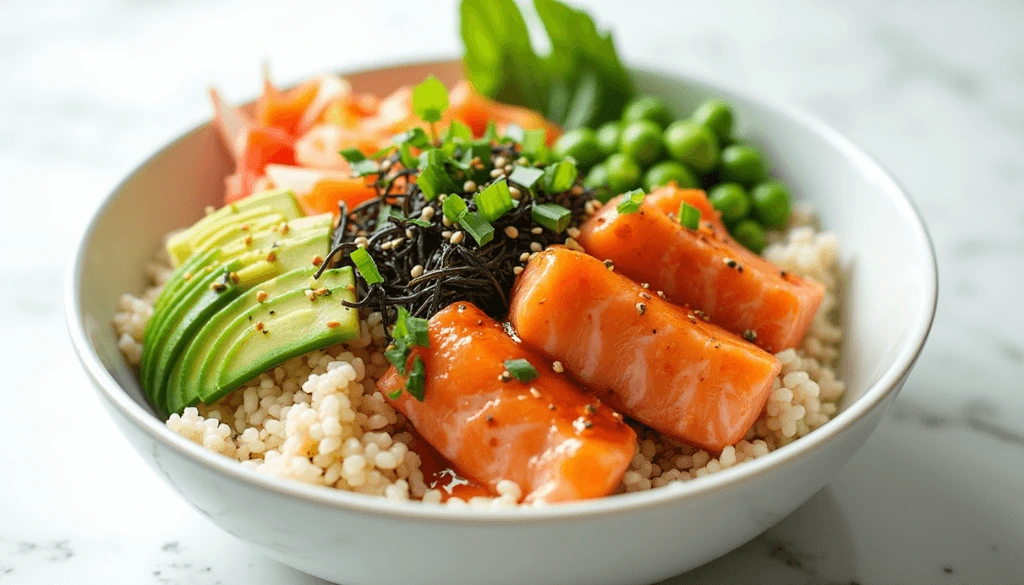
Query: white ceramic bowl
[[889, 301]]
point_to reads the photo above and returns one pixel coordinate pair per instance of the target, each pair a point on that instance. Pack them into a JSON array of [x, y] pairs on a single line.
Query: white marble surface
[[89, 88]]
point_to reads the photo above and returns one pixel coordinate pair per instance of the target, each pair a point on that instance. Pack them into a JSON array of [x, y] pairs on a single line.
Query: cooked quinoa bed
[[320, 419]]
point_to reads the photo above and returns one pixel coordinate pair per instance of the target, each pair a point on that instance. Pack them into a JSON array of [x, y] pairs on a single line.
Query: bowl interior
[[889, 268]]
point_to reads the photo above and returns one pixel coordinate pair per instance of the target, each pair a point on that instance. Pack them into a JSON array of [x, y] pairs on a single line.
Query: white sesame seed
[[537, 230], [469, 186], [534, 392], [522, 161], [524, 256], [457, 237], [515, 193], [641, 308], [447, 222], [508, 169], [417, 271], [512, 232], [534, 255], [573, 232], [427, 214], [495, 173], [517, 270], [385, 165], [557, 367], [573, 245], [408, 233], [500, 161], [361, 241], [442, 197], [446, 234], [536, 247]]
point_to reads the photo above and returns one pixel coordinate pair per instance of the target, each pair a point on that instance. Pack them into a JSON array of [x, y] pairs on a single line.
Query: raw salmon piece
[[547, 436], [669, 197], [705, 270], [644, 356], [284, 109]]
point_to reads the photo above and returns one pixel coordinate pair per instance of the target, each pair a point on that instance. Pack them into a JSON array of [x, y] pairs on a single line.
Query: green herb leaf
[[430, 99], [525, 176], [560, 176], [454, 208], [521, 369], [515, 132], [491, 133], [361, 166], [405, 153], [432, 156], [689, 216], [366, 266], [383, 217], [380, 153], [434, 180], [477, 227], [551, 215], [494, 201], [398, 354], [458, 131], [352, 155], [631, 201], [412, 330], [415, 137], [417, 381], [534, 144], [419, 222]]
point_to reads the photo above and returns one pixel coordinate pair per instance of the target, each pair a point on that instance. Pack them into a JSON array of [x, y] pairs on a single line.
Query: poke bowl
[[652, 524]]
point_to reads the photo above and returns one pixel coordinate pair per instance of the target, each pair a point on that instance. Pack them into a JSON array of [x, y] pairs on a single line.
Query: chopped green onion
[[366, 266], [416, 384], [631, 201], [430, 99], [515, 133], [552, 216], [491, 133], [419, 222], [534, 141], [383, 217], [560, 176], [380, 153], [415, 137], [405, 153], [521, 370], [494, 201], [689, 216], [353, 155], [432, 156], [454, 208], [434, 181], [478, 227], [458, 131], [525, 176]]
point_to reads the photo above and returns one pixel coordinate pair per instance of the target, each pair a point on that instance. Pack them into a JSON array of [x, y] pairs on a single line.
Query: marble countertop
[[933, 89]]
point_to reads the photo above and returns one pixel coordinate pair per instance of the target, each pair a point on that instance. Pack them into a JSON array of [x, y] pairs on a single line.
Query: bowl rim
[[873, 397]]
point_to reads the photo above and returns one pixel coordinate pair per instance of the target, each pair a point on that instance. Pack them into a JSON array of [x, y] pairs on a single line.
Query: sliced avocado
[[278, 329], [181, 245], [294, 229], [183, 385], [233, 232]]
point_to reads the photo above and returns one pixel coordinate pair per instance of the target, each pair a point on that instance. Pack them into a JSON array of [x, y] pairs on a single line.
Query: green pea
[[731, 200], [597, 179], [623, 173], [666, 172], [692, 144], [608, 137], [743, 164], [716, 115], [641, 141], [581, 144], [771, 204], [751, 234], [647, 108]]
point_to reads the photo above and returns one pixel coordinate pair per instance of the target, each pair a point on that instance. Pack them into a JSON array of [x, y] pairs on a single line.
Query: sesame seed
[[457, 237], [361, 241], [322, 292], [551, 407], [645, 285], [641, 308], [557, 367], [385, 164], [442, 197], [408, 233], [469, 186], [588, 424], [495, 173], [248, 240], [417, 271], [447, 222], [317, 260], [427, 214], [750, 335], [534, 255], [729, 262], [332, 324], [512, 232], [536, 247], [535, 393], [261, 296], [504, 376], [661, 294], [259, 326], [517, 270], [609, 264], [645, 296], [573, 232], [524, 256], [515, 193], [397, 242], [522, 161], [446, 234], [271, 257], [573, 245], [500, 161], [691, 317], [310, 295], [590, 408], [537, 231]]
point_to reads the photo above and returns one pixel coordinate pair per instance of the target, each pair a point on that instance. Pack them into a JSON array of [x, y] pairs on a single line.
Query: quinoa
[[319, 418]]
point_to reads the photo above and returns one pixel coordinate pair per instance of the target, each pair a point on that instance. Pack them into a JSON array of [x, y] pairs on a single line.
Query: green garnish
[[515, 133], [458, 131], [417, 381], [434, 180], [534, 146], [361, 166], [454, 208], [525, 176], [414, 137], [689, 216], [560, 176], [580, 83], [477, 226], [494, 201], [491, 132], [411, 330], [551, 215], [383, 217], [521, 369], [631, 201], [366, 266], [405, 154], [430, 99], [432, 156]]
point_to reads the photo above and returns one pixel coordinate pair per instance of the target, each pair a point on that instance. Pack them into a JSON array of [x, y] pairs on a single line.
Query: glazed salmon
[[704, 269], [644, 356], [546, 435]]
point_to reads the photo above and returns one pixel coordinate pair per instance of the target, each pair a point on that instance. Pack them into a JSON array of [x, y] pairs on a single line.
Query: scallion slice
[[689, 216], [521, 369], [454, 208], [525, 176], [631, 201], [560, 176], [494, 201], [416, 137], [552, 216], [434, 180], [366, 266], [458, 131], [478, 227]]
